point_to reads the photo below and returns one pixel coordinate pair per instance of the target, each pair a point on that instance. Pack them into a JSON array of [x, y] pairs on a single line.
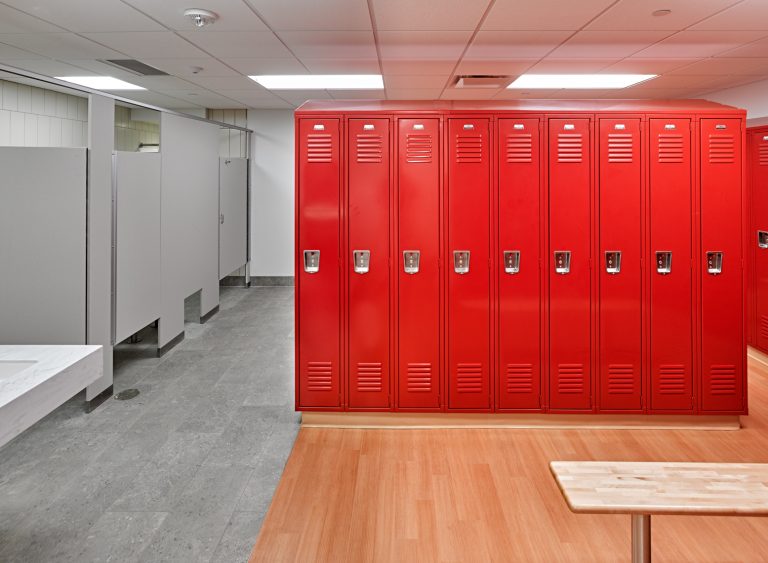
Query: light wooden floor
[[487, 495]]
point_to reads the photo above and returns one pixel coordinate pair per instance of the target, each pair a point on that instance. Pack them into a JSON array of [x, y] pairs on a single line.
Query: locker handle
[[664, 262], [562, 262], [461, 261], [512, 261], [361, 259], [411, 259], [762, 239], [311, 261], [613, 262], [714, 263]]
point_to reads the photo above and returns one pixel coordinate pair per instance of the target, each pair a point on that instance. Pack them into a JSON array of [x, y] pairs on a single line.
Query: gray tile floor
[[183, 472]]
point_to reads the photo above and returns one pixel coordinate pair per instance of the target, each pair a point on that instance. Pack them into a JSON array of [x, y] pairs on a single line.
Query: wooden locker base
[[507, 420]]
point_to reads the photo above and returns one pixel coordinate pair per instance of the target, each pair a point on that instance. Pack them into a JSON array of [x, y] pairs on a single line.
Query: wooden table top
[[724, 489]]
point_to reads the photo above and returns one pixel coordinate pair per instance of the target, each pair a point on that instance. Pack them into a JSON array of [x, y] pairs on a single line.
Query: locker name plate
[[613, 261], [311, 261], [664, 262], [512, 261], [461, 261], [714, 263], [411, 261], [562, 261], [361, 260]]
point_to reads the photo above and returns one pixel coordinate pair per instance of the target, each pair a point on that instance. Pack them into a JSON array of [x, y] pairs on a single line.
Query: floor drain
[[127, 394]]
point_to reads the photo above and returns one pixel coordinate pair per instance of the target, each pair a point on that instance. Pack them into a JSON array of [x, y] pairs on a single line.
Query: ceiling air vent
[[136, 67], [482, 81]]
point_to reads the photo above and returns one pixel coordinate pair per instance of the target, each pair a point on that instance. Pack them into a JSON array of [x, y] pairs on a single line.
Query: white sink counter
[[34, 380]]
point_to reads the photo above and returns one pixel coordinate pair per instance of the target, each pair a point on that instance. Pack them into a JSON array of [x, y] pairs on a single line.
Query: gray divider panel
[[233, 210]]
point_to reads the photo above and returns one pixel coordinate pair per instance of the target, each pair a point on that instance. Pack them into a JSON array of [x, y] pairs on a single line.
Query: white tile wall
[[35, 117], [129, 134], [232, 142]]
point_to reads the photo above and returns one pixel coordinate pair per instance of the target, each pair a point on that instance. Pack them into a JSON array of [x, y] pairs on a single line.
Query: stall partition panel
[[722, 347], [620, 232], [570, 278], [418, 306], [519, 368], [759, 234], [368, 283], [318, 267], [670, 260], [233, 214], [468, 267]]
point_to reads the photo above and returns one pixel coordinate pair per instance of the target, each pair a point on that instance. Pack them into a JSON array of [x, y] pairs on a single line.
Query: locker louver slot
[[418, 148], [419, 377], [369, 377], [519, 378], [722, 380], [469, 148], [764, 327], [570, 147], [721, 149], [570, 379], [621, 147], [469, 378], [670, 148], [763, 149], [369, 148], [319, 147], [621, 380], [672, 379], [519, 147], [319, 376]]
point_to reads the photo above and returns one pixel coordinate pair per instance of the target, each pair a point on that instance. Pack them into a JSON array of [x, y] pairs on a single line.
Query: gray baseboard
[[205, 318], [163, 350], [233, 281], [272, 280]]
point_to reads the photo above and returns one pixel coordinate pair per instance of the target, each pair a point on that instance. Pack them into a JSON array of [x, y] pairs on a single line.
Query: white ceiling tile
[[161, 100], [414, 94], [249, 67], [647, 66], [749, 14], [163, 84], [239, 44], [87, 15], [8, 53], [250, 94], [566, 66], [275, 103], [100, 68], [48, 67], [307, 15], [205, 99], [331, 44], [221, 83], [342, 66], [59, 45], [505, 94], [469, 93], [514, 44], [15, 21], [234, 15], [146, 44], [414, 81], [298, 97], [602, 44], [543, 14], [634, 14], [685, 81], [410, 45], [357, 94], [415, 66], [754, 49], [187, 67], [495, 66], [727, 66], [437, 16], [698, 44]]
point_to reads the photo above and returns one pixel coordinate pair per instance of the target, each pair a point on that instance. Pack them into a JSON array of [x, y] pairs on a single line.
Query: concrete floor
[[183, 472]]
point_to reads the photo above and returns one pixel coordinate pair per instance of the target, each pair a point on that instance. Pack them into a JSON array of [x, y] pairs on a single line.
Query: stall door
[[233, 214], [418, 308], [368, 157], [318, 331], [519, 368], [620, 232], [670, 259], [722, 348], [570, 221], [468, 267], [759, 235]]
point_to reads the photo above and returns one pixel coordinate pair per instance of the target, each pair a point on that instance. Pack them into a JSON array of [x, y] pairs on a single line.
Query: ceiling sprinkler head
[[201, 18]]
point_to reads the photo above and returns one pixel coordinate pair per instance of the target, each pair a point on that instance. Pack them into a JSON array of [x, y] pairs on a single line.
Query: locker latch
[[311, 261], [461, 261], [562, 261], [714, 263], [613, 261], [762, 239], [411, 261], [361, 260], [664, 262], [512, 261]]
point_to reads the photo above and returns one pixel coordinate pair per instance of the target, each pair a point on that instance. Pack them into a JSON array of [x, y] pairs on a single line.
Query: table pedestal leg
[[641, 538]]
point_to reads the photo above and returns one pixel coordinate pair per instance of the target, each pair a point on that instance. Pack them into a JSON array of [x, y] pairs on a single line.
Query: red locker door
[[722, 348], [759, 187], [417, 262], [318, 332], [570, 220], [368, 281], [519, 369], [619, 265], [468, 264], [670, 224]]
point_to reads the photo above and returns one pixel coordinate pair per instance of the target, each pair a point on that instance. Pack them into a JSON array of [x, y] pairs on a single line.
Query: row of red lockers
[[757, 167], [578, 263]]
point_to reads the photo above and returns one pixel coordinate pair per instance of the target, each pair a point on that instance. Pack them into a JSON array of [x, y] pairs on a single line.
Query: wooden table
[[645, 488]]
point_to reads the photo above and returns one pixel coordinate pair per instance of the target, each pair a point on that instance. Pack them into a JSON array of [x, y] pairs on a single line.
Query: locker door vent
[[469, 378], [419, 377], [670, 148], [319, 147], [722, 379], [764, 327], [519, 379], [570, 379], [763, 154], [621, 147], [621, 379], [519, 147], [469, 148], [369, 148], [570, 147], [672, 379], [722, 149], [319, 376], [369, 377], [418, 148]]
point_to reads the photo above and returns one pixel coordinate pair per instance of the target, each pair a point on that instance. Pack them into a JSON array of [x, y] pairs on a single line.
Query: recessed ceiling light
[[661, 12], [100, 82], [320, 81], [579, 81]]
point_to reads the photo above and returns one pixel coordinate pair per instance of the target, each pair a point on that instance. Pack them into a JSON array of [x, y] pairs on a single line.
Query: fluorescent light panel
[[579, 81], [100, 82], [320, 81]]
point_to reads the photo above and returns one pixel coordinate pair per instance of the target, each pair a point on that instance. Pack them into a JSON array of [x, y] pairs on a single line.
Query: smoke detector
[[201, 18], [482, 81]]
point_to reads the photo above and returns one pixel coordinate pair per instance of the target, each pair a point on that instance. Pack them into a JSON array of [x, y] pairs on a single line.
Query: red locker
[[620, 220], [570, 273], [468, 264], [519, 369], [318, 279], [722, 348], [368, 255], [417, 259], [759, 192], [670, 257]]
